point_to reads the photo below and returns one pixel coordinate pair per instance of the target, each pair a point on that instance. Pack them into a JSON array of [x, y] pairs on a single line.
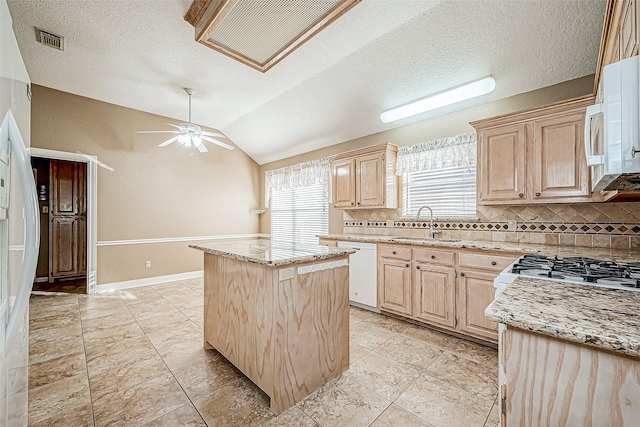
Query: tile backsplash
[[614, 225]]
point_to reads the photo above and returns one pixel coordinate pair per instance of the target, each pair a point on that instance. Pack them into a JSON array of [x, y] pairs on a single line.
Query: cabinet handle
[[351, 203], [394, 252], [521, 195], [358, 202], [433, 257], [406, 265], [493, 263], [417, 267], [461, 274], [537, 194]]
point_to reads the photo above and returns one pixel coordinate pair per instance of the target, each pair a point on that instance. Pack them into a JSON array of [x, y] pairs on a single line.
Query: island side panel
[[239, 317], [311, 334], [552, 382]]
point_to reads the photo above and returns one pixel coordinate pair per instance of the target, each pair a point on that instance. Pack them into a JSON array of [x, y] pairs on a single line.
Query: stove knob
[[521, 195]]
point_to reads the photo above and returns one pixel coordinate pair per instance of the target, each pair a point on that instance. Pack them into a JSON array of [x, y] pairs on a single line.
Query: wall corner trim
[[147, 281]]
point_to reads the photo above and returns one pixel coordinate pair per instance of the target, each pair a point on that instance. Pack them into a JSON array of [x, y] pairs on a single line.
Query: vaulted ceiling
[[382, 53]]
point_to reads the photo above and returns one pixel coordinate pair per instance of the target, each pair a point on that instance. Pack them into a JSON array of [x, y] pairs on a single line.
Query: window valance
[[298, 175], [453, 151]]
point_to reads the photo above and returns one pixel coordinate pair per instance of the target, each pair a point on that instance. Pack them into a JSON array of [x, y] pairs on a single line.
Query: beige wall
[[437, 127], [153, 192]]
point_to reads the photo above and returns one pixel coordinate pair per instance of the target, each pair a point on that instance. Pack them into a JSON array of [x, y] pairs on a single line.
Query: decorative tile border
[[611, 228]]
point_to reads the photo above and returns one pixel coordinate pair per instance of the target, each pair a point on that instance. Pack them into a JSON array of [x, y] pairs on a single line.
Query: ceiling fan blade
[[201, 148], [158, 131], [168, 141], [175, 126], [221, 144], [219, 135]]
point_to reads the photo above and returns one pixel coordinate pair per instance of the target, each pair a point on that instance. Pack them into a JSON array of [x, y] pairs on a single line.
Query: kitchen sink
[[424, 239]]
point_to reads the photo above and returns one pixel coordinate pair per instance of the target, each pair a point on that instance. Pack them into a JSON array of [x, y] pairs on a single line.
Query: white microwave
[[612, 128]]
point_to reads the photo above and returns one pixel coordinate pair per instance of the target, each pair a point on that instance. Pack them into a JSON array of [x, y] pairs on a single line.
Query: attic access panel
[[260, 33]]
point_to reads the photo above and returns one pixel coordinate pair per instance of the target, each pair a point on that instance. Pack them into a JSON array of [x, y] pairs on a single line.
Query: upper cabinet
[[365, 178], [534, 156], [620, 34]]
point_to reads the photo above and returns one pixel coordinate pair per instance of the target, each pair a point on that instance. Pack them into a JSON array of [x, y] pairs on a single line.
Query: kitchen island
[[279, 312], [570, 354]]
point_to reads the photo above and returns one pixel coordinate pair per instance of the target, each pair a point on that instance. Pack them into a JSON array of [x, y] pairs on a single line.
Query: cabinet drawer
[[327, 242], [486, 262], [434, 256], [394, 251]]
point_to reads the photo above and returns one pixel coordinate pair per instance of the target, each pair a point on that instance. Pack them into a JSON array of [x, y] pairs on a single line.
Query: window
[[299, 214], [450, 192]]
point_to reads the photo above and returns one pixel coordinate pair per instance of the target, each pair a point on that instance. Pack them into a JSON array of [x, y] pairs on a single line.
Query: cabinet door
[[394, 286], [559, 166], [434, 294], [370, 181], [64, 188], [63, 241], [475, 293], [344, 183], [502, 164], [628, 30]]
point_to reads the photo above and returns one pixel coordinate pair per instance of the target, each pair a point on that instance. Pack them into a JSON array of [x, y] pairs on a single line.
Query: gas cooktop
[[580, 269]]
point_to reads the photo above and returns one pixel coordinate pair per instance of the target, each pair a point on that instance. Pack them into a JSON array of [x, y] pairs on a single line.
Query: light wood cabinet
[[344, 183], [535, 156], [394, 290], [443, 288], [551, 382], [365, 178], [434, 294], [475, 293]]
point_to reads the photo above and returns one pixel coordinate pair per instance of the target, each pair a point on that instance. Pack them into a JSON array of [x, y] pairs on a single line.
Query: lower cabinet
[[475, 293], [434, 296], [394, 294], [443, 291]]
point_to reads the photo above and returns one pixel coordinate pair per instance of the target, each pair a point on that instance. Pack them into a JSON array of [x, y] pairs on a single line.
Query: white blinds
[[440, 174], [451, 192], [298, 175], [299, 214]]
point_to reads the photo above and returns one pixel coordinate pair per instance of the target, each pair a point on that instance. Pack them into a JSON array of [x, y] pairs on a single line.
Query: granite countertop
[[598, 317], [270, 253], [621, 255]]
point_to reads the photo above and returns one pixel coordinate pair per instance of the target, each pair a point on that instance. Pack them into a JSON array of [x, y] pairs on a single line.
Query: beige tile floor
[[135, 358]]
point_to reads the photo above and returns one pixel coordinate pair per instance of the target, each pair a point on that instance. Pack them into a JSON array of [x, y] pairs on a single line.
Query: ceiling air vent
[[49, 39]]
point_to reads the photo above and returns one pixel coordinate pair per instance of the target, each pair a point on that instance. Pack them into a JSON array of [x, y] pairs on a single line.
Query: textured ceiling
[[382, 53]]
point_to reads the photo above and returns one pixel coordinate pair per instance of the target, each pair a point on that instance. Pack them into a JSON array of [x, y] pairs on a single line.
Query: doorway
[[62, 193], [67, 191]]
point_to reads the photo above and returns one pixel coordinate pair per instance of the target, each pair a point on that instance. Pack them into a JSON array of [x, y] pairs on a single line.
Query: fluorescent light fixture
[[448, 97]]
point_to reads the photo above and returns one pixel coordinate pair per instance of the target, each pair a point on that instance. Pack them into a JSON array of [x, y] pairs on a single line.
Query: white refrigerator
[[19, 227]]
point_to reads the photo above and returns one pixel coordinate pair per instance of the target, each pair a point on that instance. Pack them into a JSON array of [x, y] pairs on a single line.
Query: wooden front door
[[67, 220]]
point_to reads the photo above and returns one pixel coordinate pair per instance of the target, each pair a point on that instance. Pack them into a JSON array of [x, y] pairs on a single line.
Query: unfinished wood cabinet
[[344, 183], [419, 282], [365, 178], [551, 382], [434, 294], [502, 175], [559, 166], [628, 33], [534, 156], [394, 285], [67, 220]]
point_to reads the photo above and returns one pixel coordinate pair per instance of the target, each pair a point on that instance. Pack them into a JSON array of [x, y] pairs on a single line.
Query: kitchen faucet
[[432, 232]]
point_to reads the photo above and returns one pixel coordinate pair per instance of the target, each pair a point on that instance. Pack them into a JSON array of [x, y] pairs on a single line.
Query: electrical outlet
[[147, 264], [511, 225], [286, 274]]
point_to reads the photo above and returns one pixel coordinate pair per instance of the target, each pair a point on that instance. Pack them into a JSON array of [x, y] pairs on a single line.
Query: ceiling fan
[[190, 134]]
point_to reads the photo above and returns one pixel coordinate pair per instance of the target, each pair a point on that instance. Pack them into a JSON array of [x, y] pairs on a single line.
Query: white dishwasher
[[363, 274]]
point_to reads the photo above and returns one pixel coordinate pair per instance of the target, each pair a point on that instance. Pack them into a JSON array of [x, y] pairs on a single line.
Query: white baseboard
[[156, 280]]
